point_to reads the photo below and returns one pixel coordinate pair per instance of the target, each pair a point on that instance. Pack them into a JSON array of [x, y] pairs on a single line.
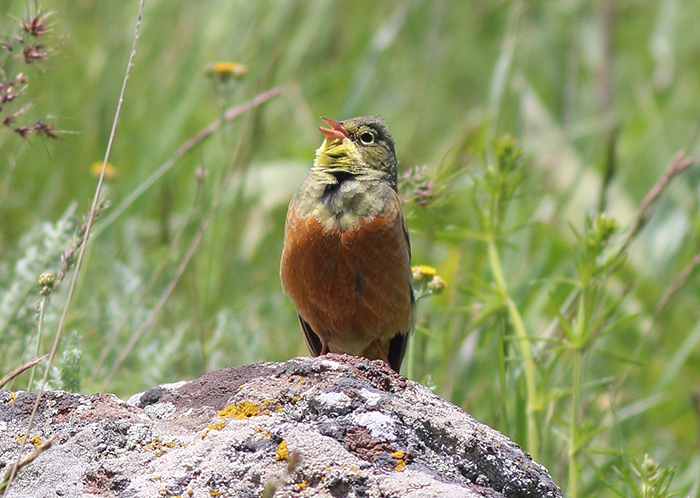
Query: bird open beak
[[336, 132]]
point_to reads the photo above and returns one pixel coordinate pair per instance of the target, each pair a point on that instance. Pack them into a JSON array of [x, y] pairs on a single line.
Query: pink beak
[[336, 132]]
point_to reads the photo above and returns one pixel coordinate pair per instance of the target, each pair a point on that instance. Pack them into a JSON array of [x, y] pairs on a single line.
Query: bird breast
[[348, 272], [341, 201]]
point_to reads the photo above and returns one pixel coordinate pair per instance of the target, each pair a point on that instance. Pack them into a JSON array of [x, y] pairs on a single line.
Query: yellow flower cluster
[[223, 71], [428, 275]]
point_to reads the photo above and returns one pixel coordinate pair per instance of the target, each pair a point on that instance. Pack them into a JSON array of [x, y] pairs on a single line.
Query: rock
[[334, 426]]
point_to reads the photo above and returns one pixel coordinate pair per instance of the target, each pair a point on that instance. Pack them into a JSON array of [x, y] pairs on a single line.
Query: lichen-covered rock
[[330, 426]]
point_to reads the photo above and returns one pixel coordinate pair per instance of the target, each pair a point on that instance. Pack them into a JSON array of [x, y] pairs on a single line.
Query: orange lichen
[[244, 409], [159, 446], [282, 451], [214, 427], [400, 460]]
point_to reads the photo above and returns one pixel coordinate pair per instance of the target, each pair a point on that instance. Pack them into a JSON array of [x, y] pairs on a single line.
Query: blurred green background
[[600, 96]]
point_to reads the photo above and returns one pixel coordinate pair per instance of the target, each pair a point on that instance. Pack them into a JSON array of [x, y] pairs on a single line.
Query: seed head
[[36, 25], [46, 280], [32, 53]]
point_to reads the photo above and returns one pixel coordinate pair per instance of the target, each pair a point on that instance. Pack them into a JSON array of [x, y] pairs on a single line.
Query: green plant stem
[[573, 438], [525, 350], [579, 338], [502, 327], [39, 326]]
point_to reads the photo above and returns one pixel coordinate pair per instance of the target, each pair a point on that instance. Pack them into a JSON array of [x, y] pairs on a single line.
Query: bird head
[[358, 146]]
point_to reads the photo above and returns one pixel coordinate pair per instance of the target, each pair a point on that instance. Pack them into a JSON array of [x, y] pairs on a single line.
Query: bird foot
[[381, 351]]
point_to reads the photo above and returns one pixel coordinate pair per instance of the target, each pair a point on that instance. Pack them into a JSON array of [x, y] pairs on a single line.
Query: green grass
[[576, 334]]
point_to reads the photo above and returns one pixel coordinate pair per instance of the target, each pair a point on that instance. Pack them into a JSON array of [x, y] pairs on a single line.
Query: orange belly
[[353, 287]]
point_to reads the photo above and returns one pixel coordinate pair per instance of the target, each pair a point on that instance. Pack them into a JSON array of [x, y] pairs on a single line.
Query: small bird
[[346, 261]]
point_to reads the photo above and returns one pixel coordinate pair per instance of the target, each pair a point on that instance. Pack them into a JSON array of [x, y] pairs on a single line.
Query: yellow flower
[[110, 171], [222, 71], [422, 273]]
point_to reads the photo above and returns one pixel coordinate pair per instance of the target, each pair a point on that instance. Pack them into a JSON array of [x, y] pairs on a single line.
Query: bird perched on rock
[[346, 262]]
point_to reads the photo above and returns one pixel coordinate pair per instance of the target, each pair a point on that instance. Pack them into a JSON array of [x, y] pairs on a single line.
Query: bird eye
[[367, 138]]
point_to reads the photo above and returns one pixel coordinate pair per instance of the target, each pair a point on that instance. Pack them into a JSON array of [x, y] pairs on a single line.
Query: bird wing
[[310, 337], [397, 350], [399, 343]]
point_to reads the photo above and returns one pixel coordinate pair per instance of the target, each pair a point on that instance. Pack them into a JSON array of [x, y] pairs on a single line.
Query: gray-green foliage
[[38, 251], [71, 364]]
